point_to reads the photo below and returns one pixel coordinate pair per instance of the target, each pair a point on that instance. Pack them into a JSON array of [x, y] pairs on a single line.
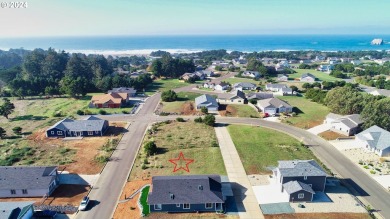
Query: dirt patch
[[227, 110], [319, 215], [129, 209], [330, 135], [188, 109]]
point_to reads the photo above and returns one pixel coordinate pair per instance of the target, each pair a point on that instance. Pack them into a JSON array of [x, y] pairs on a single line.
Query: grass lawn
[[234, 80], [143, 200], [164, 84], [320, 75], [260, 148], [309, 114], [237, 110], [178, 105], [195, 140]]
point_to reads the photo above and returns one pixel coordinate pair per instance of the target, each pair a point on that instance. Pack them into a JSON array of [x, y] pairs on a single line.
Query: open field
[[319, 215], [234, 80], [237, 110], [320, 75], [185, 104], [260, 148], [195, 140], [309, 114], [164, 84]]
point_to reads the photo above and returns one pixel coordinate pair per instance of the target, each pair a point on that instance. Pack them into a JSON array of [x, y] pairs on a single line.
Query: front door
[[218, 206]]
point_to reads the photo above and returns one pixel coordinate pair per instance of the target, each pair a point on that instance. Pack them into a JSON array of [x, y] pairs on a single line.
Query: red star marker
[[180, 162]]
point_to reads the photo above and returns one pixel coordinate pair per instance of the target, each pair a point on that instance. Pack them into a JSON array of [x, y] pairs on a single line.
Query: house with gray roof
[[259, 95], [346, 125], [128, 90], [221, 86], [374, 139], [282, 77], [273, 106], [251, 74], [308, 78], [27, 181], [300, 179], [16, 210], [90, 126], [279, 89], [236, 97], [188, 193], [244, 86], [207, 101]]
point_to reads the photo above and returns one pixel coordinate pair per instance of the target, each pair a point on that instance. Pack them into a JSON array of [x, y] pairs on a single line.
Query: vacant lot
[[236, 110], [309, 114], [234, 80], [185, 104], [165, 84], [196, 141], [260, 148], [319, 215], [320, 75], [330, 135]]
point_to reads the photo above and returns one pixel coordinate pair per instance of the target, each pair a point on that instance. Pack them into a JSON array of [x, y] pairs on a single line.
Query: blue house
[[191, 193], [91, 126]]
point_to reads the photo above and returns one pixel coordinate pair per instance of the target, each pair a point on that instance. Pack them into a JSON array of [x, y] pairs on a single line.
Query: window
[[24, 191], [59, 132], [158, 207], [96, 132], [186, 206], [90, 133], [301, 195], [209, 205], [304, 177], [13, 192], [178, 205], [52, 132]]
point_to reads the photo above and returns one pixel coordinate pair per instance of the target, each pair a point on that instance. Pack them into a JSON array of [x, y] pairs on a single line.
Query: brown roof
[[115, 98]]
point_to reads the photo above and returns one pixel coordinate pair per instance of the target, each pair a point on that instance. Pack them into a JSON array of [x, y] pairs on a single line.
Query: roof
[[90, 123], [222, 83], [308, 75], [128, 90], [234, 94], [12, 210], [279, 86], [293, 168], [286, 90], [115, 98], [273, 102], [382, 92], [296, 186], [376, 137], [251, 73], [26, 177], [206, 98], [350, 121], [191, 189], [282, 75], [244, 84], [259, 95]]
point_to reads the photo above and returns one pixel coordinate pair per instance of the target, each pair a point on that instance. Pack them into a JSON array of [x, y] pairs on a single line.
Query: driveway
[[76, 179], [246, 202], [319, 129], [345, 144]]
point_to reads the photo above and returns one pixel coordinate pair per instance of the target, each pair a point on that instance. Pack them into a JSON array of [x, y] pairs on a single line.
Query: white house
[[274, 106], [237, 97], [244, 86], [375, 139], [221, 86], [380, 92], [282, 77], [279, 89], [347, 125], [206, 101], [251, 74], [209, 85], [308, 78], [325, 68]]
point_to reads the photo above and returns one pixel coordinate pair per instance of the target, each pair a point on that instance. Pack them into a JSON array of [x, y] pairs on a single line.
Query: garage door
[[270, 111]]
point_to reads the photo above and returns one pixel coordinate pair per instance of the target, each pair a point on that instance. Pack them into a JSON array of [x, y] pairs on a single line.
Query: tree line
[[170, 67]]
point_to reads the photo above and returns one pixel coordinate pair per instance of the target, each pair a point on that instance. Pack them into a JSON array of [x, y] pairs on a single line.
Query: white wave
[[133, 52]]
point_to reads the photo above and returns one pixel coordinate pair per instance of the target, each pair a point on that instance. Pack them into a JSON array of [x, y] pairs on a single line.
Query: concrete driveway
[[345, 144], [319, 129], [76, 179]]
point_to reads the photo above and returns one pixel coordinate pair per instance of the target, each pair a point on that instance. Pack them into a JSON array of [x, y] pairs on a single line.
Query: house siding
[[174, 208], [77, 133], [6, 193], [308, 197], [317, 182]]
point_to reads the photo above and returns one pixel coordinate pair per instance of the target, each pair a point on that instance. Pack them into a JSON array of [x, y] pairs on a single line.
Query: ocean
[[184, 44]]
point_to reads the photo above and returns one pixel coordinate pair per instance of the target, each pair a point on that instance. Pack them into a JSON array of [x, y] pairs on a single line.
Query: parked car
[[84, 203]]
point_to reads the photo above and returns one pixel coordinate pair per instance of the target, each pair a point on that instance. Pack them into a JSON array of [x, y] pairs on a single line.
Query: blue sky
[[192, 17]]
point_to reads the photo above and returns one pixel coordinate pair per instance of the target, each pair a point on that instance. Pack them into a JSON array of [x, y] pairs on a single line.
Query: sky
[[194, 17]]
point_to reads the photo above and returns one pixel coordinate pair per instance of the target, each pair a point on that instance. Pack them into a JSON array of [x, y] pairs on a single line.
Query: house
[[356, 62], [28, 181], [308, 78], [279, 89], [319, 58], [347, 125], [209, 85], [111, 100], [282, 77], [90, 126], [128, 90], [244, 86], [382, 61], [346, 60], [189, 77], [206, 101], [300, 179], [207, 73], [188, 193], [267, 61], [236, 97], [251, 74], [259, 96], [380, 92], [221, 86], [16, 210], [374, 139], [273, 106], [239, 61], [284, 63], [325, 68], [280, 67]]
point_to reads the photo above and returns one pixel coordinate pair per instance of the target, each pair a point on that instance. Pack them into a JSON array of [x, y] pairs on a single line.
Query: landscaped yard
[[320, 75], [309, 114], [165, 84], [260, 148], [196, 141], [143, 200], [237, 110]]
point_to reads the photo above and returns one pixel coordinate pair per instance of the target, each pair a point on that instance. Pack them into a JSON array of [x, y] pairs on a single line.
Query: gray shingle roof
[[279, 86], [128, 90], [185, 189], [12, 210], [24, 177], [273, 102], [350, 121], [291, 168], [376, 137], [206, 98], [296, 186], [91, 123], [308, 75], [259, 95], [232, 95], [245, 84]]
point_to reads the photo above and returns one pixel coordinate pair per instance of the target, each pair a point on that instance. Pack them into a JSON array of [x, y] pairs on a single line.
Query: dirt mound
[[227, 110], [188, 109]]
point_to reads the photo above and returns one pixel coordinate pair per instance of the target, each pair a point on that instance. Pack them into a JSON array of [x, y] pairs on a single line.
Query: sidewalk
[[246, 201]]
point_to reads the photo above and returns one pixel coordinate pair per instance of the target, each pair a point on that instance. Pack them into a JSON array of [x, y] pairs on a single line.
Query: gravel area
[[259, 180]]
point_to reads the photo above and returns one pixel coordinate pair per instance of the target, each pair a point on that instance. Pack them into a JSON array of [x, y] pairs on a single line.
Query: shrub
[[125, 112], [102, 112], [57, 114], [150, 148], [164, 114], [87, 112], [179, 119], [146, 161], [214, 144], [17, 130], [372, 171], [144, 167], [80, 112], [168, 96], [365, 167], [198, 120], [209, 120], [204, 110], [102, 158], [253, 101]]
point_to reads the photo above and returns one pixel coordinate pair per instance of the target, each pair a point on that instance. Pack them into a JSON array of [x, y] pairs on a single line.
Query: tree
[[304, 66], [6, 108], [345, 100], [377, 113], [168, 96], [2, 133], [204, 110], [218, 68], [150, 148], [253, 101], [209, 120], [294, 88], [17, 130], [338, 74], [306, 86]]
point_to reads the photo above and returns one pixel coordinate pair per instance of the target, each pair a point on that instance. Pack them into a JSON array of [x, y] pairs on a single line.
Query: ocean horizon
[[117, 45]]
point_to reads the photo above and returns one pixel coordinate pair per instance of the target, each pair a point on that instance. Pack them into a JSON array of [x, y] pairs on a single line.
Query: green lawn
[[309, 114], [143, 200], [234, 80], [320, 75], [241, 111], [195, 140], [261, 148], [164, 84]]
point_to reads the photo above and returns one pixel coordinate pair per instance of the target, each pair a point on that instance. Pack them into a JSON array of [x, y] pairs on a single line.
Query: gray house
[[91, 126], [16, 210], [236, 97], [374, 139], [27, 181], [274, 106], [308, 78], [244, 86], [190, 193], [347, 125], [206, 101], [128, 90], [259, 95], [300, 178]]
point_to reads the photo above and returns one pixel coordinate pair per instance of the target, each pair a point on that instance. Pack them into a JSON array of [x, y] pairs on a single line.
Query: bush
[[209, 120], [80, 112], [144, 167], [372, 171], [179, 119], [87, 112], [214, 144], [125, 112], [102, 112], [204, 110], [198, 120], [150, 148], [57, 114], [17, 130], [168, 96], [253, 101], [102, 158]]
